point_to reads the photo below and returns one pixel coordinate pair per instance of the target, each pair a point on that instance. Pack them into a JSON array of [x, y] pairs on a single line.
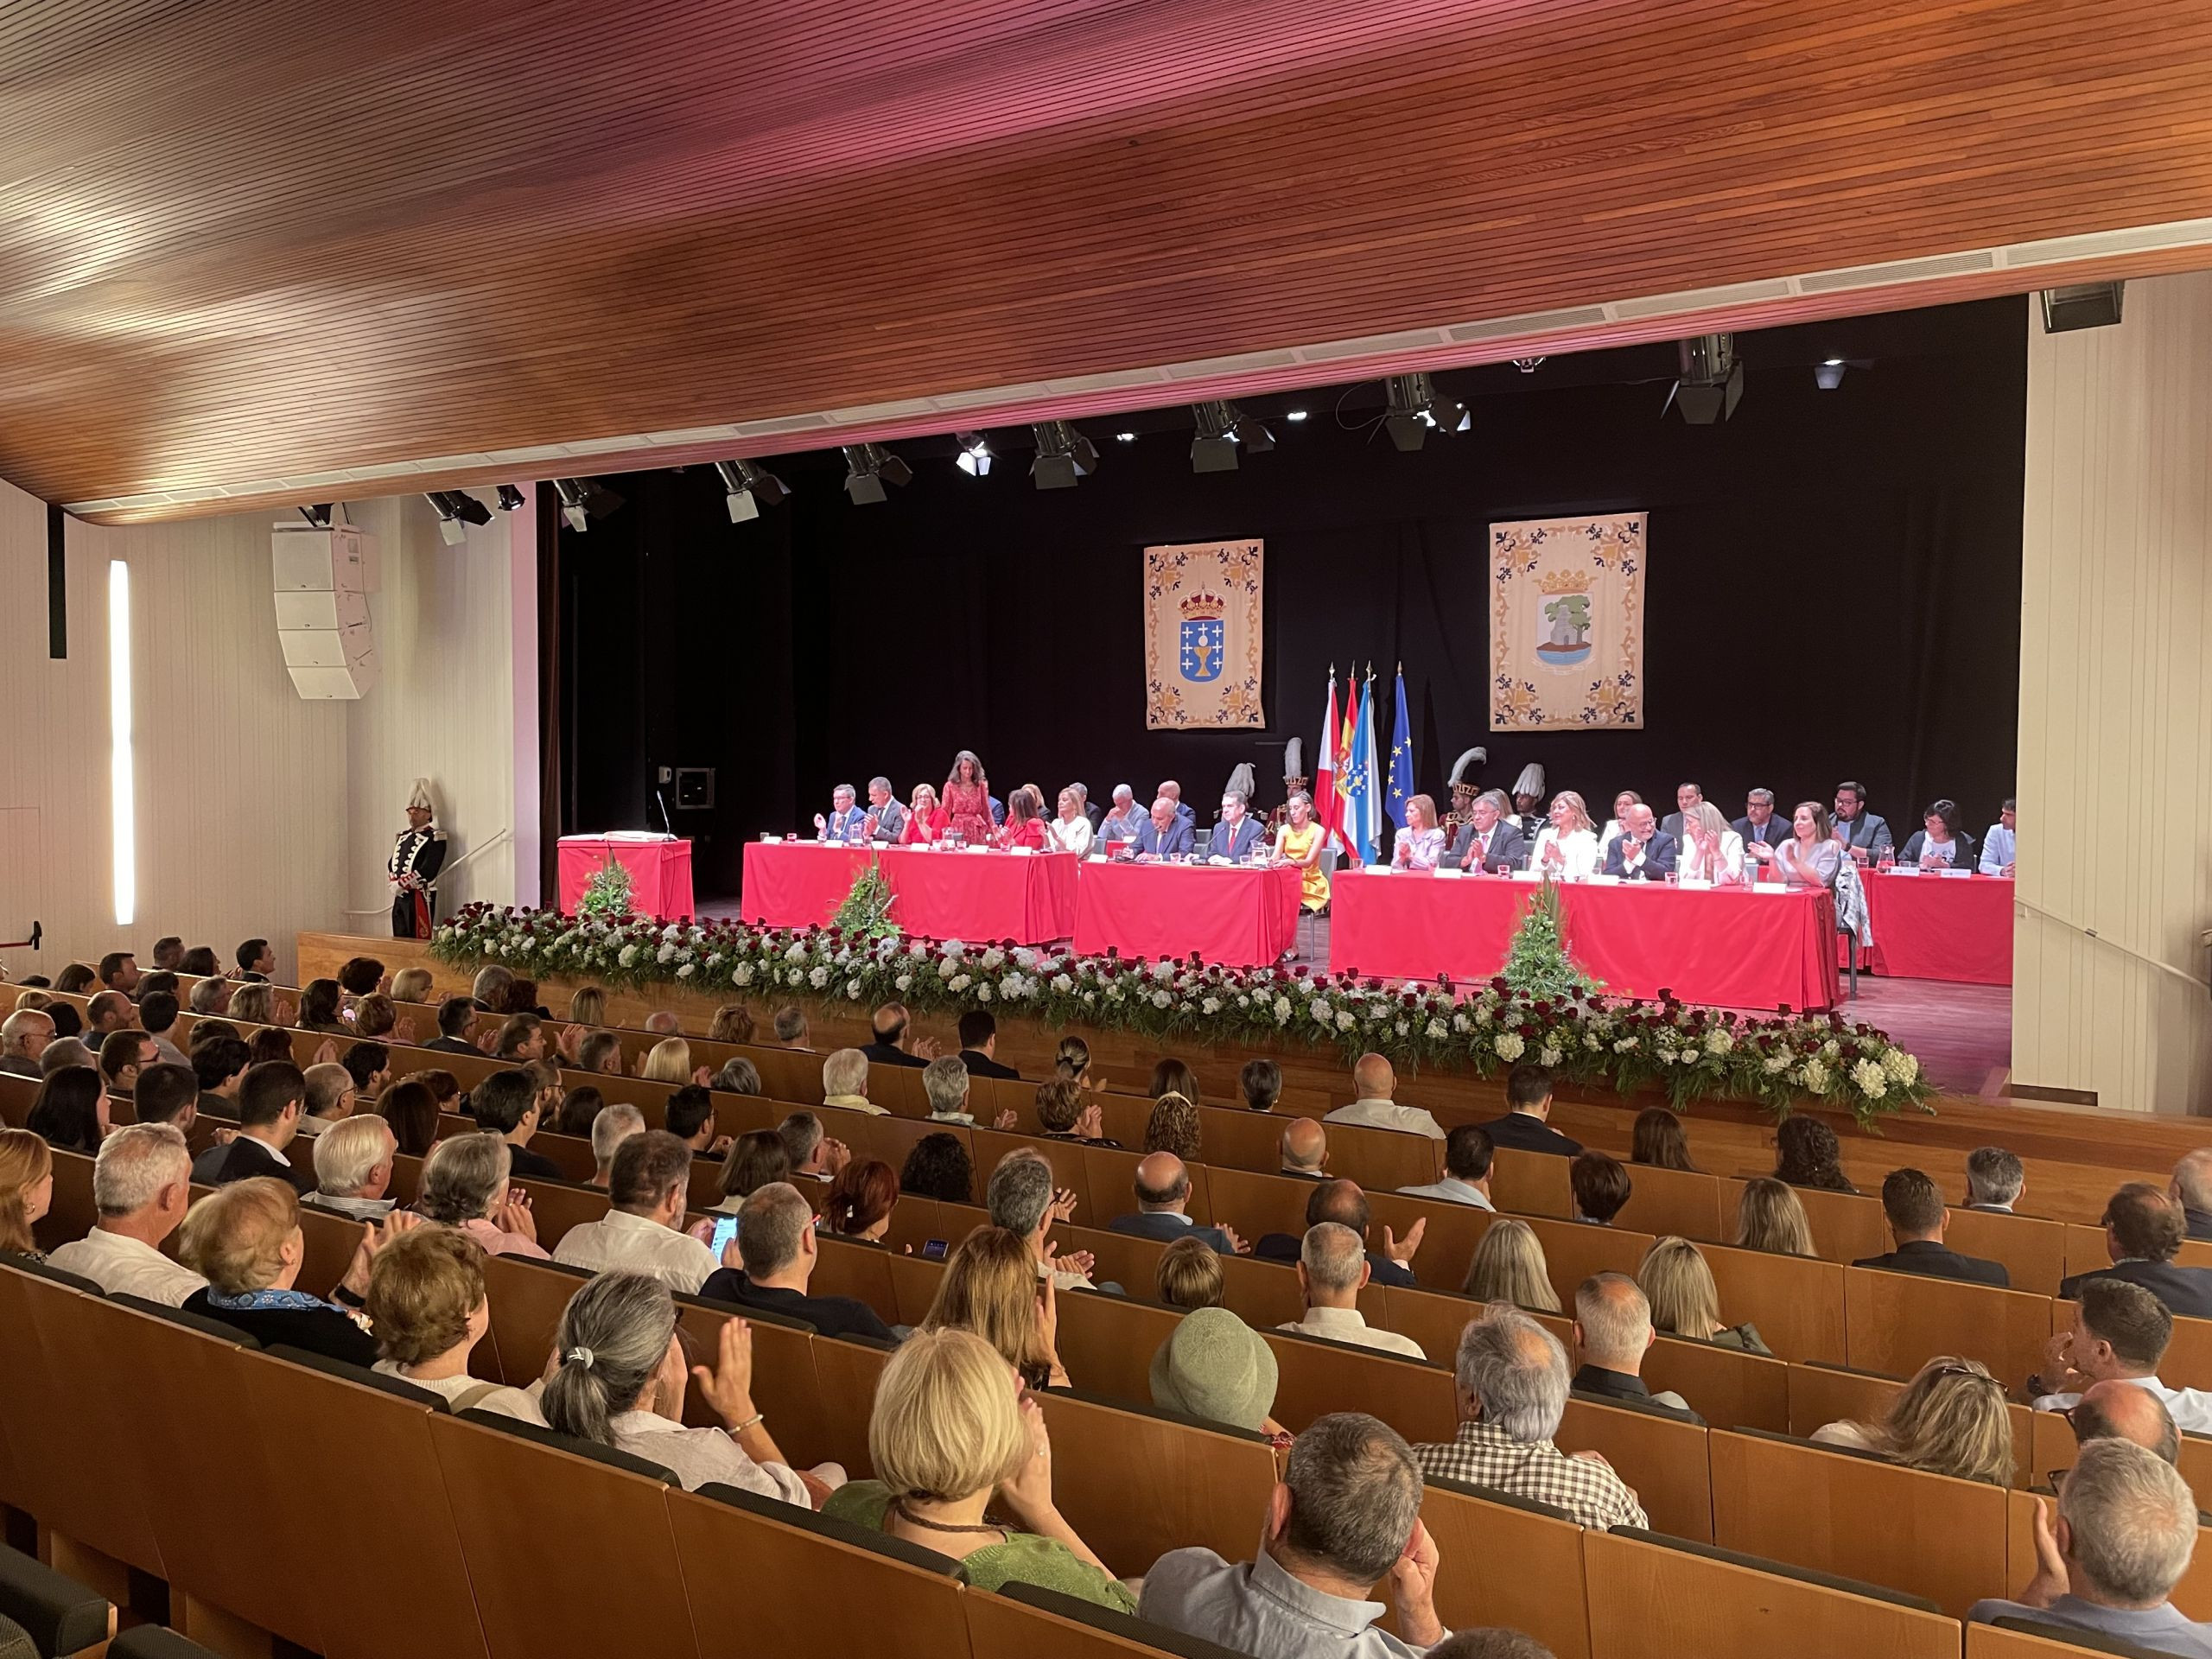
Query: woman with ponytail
[[619, 1381]]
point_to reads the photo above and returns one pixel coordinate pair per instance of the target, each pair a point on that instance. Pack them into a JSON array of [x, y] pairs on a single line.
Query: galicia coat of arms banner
[[1202, 635], [1566, 624]]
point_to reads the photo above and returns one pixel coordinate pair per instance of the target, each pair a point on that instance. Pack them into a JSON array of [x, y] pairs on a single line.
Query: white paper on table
[[1097, 858], [635, 835], [1775, 886], [770, 837], [1527, 875], [1023, 851], [1957, 874], [1695, 883], [1450, 871], [1902, 869], [1597, 879]]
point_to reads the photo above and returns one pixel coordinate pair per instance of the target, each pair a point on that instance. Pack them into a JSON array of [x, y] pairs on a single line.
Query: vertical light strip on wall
[[118, 728]]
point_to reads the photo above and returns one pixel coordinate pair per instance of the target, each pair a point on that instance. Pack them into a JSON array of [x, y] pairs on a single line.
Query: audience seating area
[[432, 1533]]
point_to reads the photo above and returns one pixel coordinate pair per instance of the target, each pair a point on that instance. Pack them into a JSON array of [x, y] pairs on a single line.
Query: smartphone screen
[[933, 1249], [725, 1230]]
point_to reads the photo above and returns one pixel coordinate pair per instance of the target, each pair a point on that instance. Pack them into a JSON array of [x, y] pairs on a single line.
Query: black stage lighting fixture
[[1222, 430], [868, 467], [319, 514], [1416, 408], [456, 510], [2080, 305], [583, 500], [1711, 382], [1063, 455], [510, 498], [1827, 373], [975, 457], [746, 485]]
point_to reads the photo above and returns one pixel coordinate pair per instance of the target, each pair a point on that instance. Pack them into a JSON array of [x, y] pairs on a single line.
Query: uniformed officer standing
[[413, 868]]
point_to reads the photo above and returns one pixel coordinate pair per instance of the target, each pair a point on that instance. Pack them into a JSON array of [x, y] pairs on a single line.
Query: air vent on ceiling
[[1898, 271]]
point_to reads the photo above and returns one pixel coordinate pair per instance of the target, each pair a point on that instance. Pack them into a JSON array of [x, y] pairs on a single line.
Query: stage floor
[[1962, 1033]]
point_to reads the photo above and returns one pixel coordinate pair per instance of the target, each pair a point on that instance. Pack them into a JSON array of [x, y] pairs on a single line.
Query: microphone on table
[[664, 814]]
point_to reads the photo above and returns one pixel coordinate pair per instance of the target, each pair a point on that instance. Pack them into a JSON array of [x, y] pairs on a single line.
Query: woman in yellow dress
[[1299, 843]]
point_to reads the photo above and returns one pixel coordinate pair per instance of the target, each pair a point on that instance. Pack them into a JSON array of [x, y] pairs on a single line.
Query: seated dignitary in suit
[[1762, 828], [1238, 832], [1165, 834], [1643, 851], [1528, 1096], [1490, 840]]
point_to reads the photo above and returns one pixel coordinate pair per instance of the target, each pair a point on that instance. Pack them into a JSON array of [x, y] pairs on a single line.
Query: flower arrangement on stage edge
[[1536, 962], [607, 892], [866, 913], [1782, 1061]]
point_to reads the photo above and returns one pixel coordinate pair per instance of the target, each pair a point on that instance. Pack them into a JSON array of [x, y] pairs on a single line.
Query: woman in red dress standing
[[1025, 819], [967, 803]]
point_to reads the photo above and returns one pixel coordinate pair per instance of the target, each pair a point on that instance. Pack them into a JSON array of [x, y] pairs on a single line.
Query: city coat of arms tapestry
[[1202, 635], [1566, 624]]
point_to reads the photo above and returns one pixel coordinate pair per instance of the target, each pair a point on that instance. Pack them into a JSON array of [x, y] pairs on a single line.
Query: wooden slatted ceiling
[[261, 241]]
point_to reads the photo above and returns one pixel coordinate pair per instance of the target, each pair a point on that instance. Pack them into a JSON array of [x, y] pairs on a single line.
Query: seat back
[[848, 1268], [1894, 1322], [1681, 1202], [527, 1297], [1648, 1600], [784, 1387], [1531, 1183], [845, 1374], [1026, 1622], [2032, 1250], [1107, 1342], [1660, 1456], [71, 1213], [557, 1206], [1730, 1388], [1382, 1160], [1317, 1378], [1796, 1301], [2052, 1449], [1507, 1562]]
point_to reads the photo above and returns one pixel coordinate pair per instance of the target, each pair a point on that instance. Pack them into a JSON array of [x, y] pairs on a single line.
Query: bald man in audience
[[1163, 1187], [1612, 1334], [1375, 1084], [24, 1037], [2114, 1410], [2144, 1230], [1331, 1270], [2191, 1188], [106, 1014], [331, 1096], [1305, 1150], [1342, 1202]]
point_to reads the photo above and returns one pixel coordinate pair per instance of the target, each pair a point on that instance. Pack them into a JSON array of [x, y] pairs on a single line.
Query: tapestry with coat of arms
[[1202, 635], [1566, 624]]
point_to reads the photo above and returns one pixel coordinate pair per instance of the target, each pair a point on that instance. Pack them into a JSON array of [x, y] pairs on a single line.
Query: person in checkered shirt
[[1511, 1389]]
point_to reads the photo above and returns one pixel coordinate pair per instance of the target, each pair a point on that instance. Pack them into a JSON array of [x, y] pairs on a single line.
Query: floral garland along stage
[[1690, 1052]]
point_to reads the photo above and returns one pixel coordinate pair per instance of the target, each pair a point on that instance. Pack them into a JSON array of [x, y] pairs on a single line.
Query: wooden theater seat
[[1820, 1394], [1506, 1561], [2054, 1450], [1896, 1321], [1317, 1378], [1661, 1456], [2033, 1250], [1796, 1301], [1682, 1202]]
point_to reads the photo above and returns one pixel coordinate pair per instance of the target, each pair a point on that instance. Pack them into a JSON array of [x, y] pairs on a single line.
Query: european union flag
[[1402, 756]]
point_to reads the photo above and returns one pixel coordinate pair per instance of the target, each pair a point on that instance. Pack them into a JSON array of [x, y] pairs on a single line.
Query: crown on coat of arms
[[1565, 582], [1204, 605]]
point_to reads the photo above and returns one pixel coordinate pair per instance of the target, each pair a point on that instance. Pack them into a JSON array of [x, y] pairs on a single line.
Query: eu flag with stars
[[1401, 757]]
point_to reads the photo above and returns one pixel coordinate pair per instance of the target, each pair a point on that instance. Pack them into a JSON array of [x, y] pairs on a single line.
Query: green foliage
[[608, 893], [866, 913], [1536, 964]]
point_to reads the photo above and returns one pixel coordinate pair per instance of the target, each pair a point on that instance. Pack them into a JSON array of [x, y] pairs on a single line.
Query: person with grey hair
[[24, 1036], [353, 1167], [1238, 832], [789, 1026], [2117, 1410], [1613, 1332], [845, 821], [844, 1082], [663, 1022], [211, 996], [330, 1098], [1761, 829], [614, 1125], [647, 1190], [1345, 1515], [1332, 1266], [945, 1081], [2191, 1188], [62, 1053], [1022, 1199], [814, 1155], [778, 1253], [1490, 1642], [887, 819], [618, 1380], [1123, 820], [1995, 1179], [465, 1186], [739, 1076], [2126, 1529], [142, 1186], [1490, 840], [1510, 1384]]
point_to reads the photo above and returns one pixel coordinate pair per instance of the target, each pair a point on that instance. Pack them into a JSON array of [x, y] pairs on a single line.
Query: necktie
[[1482, 851]]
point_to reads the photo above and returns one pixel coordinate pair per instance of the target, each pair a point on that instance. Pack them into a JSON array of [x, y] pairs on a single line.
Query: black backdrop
[[1833, 591]]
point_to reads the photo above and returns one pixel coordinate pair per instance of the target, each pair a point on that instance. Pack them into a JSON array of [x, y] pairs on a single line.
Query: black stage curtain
[[1834, 591]]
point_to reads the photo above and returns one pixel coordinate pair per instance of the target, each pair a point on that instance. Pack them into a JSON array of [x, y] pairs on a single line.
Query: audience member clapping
[[245, 1240], [1950, 1420], [1509, 1266], [991, 1287], [646, 1192], [353, 1168], [1685, 1302], [951, 1438], [465, 1187], [412, 985], [428, 1310], [815, 1154], [271, 1100], [1510, 1386], [739, 1076], [509, 1104], [1067, 1111], [1342, 1202], [330, 1098], [1022, 1199]]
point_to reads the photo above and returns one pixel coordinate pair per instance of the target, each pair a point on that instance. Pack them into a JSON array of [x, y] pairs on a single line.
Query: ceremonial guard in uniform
[[1529, 802], [1293, 783], [1464, 791], [413, 868]]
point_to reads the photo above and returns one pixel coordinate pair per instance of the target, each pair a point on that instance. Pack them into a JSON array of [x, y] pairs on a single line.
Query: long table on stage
[[1241, 916], [1724, 946], [970, 896], [1951, 927]]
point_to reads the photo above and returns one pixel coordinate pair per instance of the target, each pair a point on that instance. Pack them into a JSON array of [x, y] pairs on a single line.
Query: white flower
[[1509, 1046], [946, 969], [993, 959], [818, 978], [667, 953], [1242, 1000], [959, 982], [1434, 1028], [629, 957], [1592, 1041], [1814, 1076], [1161, 1000], [1092, 996], [983, 992], [1400, 1028], [903, 984], [1211, 1005], [742, 975], [854, 989], [1459, 1022], [1282, 1010], [1873, 1082], [1345, 1020], [1666, 1057], [1904, 1067], [1719, 1041], [797, 952], [1622, 1046], [1062, 983], [671, 931], [1830, 1048], [685, 971], [1774, 1065], [1548, 1055]]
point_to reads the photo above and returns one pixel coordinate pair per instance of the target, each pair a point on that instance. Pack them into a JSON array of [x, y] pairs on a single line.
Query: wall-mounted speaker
[[323, 578]]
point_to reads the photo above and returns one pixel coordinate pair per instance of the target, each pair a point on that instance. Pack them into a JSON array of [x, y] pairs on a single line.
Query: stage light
[[456, 510], [2081, 305], [1528, 365], [319, 514], [1711, 382], [975, 457], [1827, 373], [746, 485], [868, 467], [121, 767], [510, 498], [1063, 455], [582, 500], [1222, 430], [1126, 438], [1295, 415], [1415, 406]]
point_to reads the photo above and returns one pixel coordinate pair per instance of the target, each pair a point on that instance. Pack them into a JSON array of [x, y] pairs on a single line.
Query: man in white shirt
[[844, 1082], [650, 1182], [2121, 1333], [142, 1186], [1374, 1082], [2000, 847], [353, 1167], [1331, 1268], [1467, 1154]]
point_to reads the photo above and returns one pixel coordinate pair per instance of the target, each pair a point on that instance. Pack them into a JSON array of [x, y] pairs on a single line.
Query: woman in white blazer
[[1711, 850], [1567, 846]]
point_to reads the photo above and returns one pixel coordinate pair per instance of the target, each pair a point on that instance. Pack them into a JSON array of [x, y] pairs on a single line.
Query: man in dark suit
[[506, 1104], [889, 1025], [1238, 832], [1863, 834], [1612, 1334], [1528, 1093], [1163, 1195], [1342, 1202], [1643, 851], [2191, 1188], [1762, 830], [1171, 792], [775, 1240], [1914, 1205], [455, 1015], [979, 1041], [2144, 1230], [270, 1100], [1687, 798], [1165, 834], [1488, 840]]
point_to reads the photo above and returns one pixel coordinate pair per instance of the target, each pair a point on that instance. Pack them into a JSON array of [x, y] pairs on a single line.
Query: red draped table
[[1722, 946], [1953, 927], [1236, 917], [973, 896], [660, 871]]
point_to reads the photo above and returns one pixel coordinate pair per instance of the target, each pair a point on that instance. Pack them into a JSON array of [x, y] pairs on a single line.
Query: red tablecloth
[[968, 896], [1725, 947], [660, 872], [1958, 928], [1237, 917]]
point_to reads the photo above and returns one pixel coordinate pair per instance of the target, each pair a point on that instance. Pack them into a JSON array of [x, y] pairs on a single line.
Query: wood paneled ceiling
[[262, 252]]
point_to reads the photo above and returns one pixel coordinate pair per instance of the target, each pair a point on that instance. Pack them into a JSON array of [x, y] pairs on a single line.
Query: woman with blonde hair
[[668, 1061], [26, 1191], [1950, 1420], [733, 1024], [1189, 1275], [588, 1007], [375, 1016], [951, 1438], [1509, 1266], [1685, 1302], [991, 1287], [244, 1240], [1567, 846], [1770, 1217], [1419, 845], [411, 985], [1172, 1127], [1710, 851], [923, 820], [1072, 1063], [1070, 832]]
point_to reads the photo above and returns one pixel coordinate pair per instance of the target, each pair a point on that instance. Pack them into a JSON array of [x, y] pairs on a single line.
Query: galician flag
[[1362, 802], [1325, 772], [1402, 756]]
